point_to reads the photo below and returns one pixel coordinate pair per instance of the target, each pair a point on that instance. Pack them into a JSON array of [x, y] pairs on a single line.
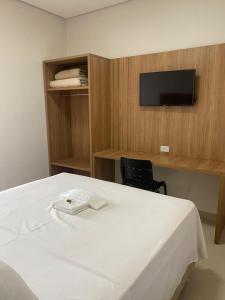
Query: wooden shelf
[[70, 60], [77, 88], [75, 119], [73, 163]]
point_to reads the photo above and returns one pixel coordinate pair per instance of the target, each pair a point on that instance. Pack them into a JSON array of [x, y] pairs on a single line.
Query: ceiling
[[72, 8]]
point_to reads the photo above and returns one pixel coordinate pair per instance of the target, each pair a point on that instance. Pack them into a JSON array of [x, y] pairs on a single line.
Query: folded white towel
[[70, 73], [72, 82], [77, 200], [71, 207]]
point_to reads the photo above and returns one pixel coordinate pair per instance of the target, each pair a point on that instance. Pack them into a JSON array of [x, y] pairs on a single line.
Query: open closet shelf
[[77, 128], [77, 88], [73, 163]]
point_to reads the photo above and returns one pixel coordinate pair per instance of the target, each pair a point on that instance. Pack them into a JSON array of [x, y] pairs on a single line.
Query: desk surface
[[105, 169], [168, 161]]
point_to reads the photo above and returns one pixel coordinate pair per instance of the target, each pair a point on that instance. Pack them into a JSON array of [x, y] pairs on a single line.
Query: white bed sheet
[[136, 248]]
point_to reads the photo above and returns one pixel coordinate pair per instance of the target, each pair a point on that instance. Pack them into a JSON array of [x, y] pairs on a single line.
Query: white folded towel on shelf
[[77, 200], [70, 73], [71, 82]]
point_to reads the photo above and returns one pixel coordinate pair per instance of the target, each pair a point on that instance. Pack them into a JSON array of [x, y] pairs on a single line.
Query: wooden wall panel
[[80, 127], [99, 103], [195, 131], [119, 107], [218, 136], [59, 127]]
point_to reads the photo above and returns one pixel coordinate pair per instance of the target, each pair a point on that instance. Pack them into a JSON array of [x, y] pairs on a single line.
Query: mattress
[[136, 248]]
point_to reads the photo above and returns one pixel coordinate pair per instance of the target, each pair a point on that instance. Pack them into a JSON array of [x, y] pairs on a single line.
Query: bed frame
[[183, 282]]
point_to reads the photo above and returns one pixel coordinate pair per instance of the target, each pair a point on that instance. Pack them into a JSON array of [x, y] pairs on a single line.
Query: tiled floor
[[208, 279]]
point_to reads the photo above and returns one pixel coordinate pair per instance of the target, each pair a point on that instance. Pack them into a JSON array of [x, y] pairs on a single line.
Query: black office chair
[[138, 173]]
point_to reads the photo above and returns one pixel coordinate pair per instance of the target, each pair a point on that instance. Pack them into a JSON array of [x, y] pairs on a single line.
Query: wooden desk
[[104, 168]]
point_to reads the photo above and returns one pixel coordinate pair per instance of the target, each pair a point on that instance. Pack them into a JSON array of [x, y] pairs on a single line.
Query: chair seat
[[158, 185], [152, 186]]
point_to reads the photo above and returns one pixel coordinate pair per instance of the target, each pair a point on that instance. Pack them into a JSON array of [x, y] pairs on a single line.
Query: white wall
[[145, 26], [28, 36]]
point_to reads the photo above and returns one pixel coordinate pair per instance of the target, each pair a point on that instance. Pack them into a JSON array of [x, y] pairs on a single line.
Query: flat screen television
[[168, 88]]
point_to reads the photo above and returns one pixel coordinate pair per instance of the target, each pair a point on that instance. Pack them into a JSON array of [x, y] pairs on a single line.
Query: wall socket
[[164, 149]]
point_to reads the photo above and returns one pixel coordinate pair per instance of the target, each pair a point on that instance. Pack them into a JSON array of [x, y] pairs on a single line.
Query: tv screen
[[167, 88]]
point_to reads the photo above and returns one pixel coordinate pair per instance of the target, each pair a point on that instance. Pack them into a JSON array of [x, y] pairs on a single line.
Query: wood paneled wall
[[100, 102], [80, 128], [196, 131]]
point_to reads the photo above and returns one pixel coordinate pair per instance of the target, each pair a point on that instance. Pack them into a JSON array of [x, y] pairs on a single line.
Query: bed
[[138, 247]]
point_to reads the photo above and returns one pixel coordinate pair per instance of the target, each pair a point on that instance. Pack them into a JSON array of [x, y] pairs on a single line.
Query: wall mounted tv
[[168, 88]]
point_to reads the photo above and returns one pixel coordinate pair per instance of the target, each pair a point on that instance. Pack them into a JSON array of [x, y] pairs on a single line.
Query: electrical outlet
[[164, 149]]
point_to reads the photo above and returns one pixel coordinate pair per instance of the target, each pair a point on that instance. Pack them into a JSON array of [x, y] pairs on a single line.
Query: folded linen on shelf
[[70, 73], [71, 82], [77, 200]]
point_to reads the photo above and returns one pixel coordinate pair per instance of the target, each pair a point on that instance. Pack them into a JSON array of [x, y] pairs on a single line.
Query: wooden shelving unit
[[68, 89], [73, 163], [78, 118]]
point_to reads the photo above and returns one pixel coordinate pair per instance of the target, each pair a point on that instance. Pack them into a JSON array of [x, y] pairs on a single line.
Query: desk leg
[[104, 169], [220, 218]]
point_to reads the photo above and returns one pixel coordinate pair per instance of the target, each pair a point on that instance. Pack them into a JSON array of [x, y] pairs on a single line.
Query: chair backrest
[[136, 172]]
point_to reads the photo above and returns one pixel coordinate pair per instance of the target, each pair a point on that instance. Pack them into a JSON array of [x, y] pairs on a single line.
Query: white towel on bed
[[71, 82], [77, 200], [70, 73], [71, 207]]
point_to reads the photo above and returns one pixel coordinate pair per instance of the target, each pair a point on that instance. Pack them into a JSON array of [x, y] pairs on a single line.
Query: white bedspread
[[136, 248]]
